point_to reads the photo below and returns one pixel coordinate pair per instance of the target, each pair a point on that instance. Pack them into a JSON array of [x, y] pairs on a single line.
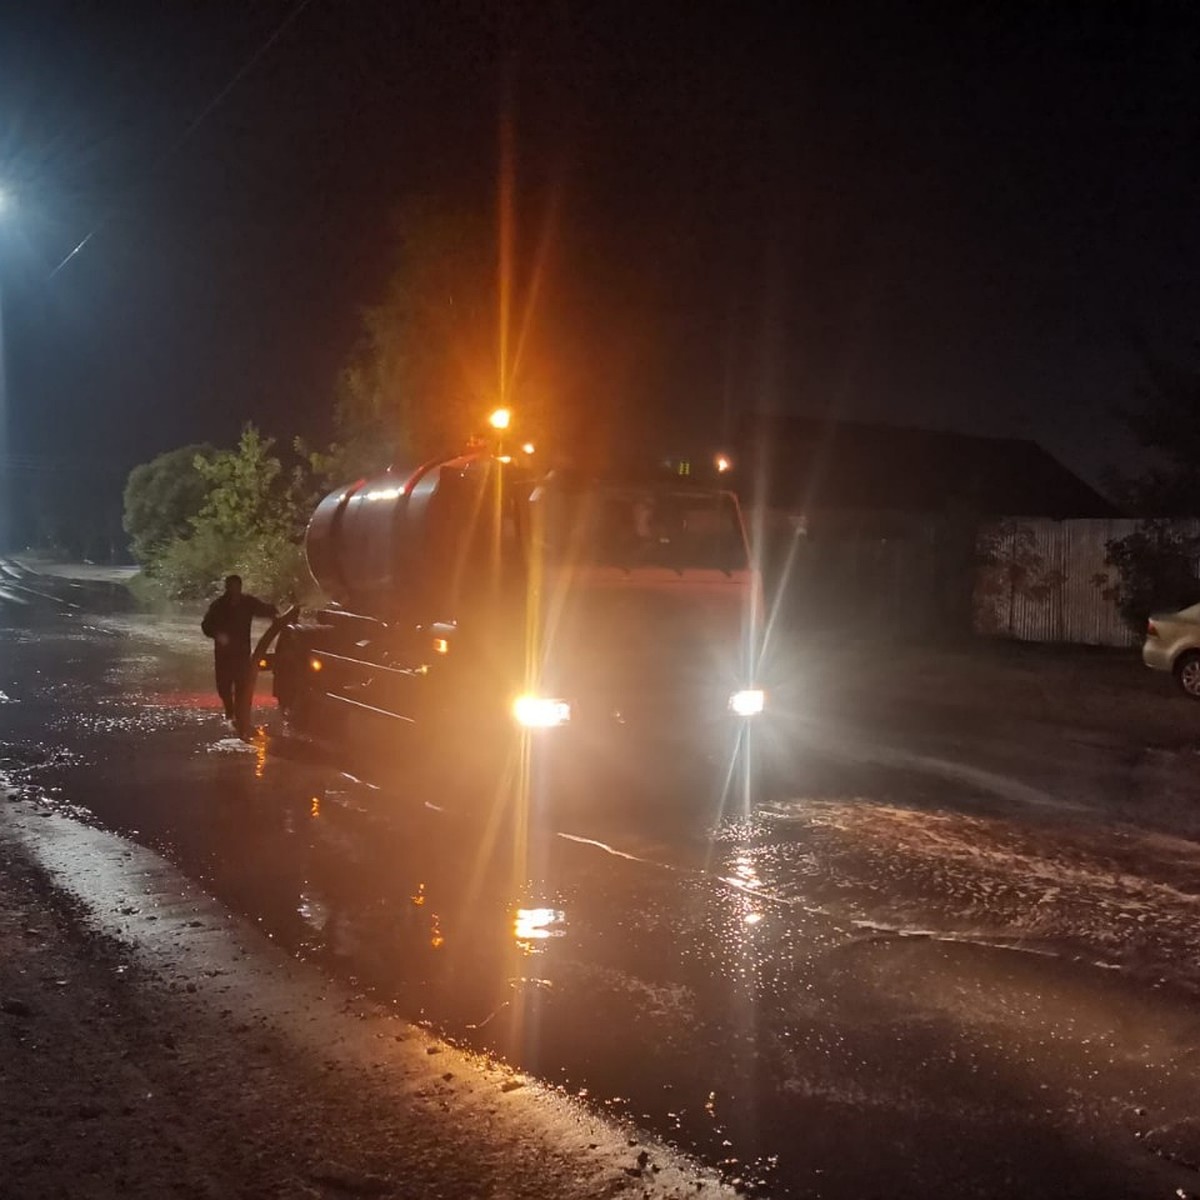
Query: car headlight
[[540, 712], [748, 703]]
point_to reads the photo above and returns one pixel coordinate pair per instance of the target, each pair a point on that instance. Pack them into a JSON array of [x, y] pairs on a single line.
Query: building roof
[[816, 464]]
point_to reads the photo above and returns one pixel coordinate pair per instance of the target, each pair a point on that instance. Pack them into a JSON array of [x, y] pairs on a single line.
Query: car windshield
[[647, 527]]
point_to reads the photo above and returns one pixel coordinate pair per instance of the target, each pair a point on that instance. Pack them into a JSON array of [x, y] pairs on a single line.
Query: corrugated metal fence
[[1031, 579], [1046, 581]]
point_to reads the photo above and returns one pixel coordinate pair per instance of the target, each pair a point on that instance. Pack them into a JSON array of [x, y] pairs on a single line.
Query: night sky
[[956, 222]]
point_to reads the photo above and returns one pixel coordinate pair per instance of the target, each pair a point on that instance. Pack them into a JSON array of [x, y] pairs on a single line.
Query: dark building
[[814, 466]]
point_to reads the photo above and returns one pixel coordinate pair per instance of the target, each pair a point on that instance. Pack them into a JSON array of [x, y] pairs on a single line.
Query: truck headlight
[[748, 702], [540, 712]]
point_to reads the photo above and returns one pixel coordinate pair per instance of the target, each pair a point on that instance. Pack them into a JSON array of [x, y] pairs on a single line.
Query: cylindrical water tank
[[386, 546]]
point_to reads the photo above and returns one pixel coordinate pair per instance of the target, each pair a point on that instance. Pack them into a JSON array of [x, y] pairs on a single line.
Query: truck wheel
[[300, 711], [1187, 674], [293, 695]]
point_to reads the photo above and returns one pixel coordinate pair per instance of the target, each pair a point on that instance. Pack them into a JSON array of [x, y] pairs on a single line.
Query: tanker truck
[[487, 617]]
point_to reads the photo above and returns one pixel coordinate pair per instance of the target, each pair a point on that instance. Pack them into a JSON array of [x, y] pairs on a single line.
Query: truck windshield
[[646, 527]]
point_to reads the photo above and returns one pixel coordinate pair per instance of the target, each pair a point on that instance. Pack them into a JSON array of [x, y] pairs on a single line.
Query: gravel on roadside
[[119, 1080]]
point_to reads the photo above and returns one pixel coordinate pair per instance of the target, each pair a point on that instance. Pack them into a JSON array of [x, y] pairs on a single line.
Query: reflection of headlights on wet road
[[748, 703], [540, 712]]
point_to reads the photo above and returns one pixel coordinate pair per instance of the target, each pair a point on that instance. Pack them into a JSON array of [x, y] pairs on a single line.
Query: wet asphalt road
[[886, 978]]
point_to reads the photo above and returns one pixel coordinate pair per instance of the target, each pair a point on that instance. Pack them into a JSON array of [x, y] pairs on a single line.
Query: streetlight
[[500, 419]]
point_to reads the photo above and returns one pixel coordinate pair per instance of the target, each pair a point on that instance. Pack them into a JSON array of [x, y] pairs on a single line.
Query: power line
[[207, 111], [47, 464]]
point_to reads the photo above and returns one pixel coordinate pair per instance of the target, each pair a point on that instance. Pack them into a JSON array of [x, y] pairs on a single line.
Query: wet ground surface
[[904, 972]]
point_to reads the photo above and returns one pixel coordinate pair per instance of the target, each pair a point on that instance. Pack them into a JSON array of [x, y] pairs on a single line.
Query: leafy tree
[[1014, 569], [247, 490], [1156, 564], [161, 499], [427, 366], [251, 522], [1166, 422], [1156, 570]]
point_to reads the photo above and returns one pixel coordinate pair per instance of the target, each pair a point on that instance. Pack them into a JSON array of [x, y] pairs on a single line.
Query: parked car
[[1173, 644]]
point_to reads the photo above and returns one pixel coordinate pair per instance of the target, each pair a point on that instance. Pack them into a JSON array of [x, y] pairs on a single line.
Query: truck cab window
[[650, 527]]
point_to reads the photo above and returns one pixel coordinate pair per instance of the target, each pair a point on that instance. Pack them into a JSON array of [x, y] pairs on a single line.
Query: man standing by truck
[[228, 622]]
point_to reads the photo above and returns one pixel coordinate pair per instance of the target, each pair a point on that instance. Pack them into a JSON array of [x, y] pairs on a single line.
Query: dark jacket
[[232, 618]]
